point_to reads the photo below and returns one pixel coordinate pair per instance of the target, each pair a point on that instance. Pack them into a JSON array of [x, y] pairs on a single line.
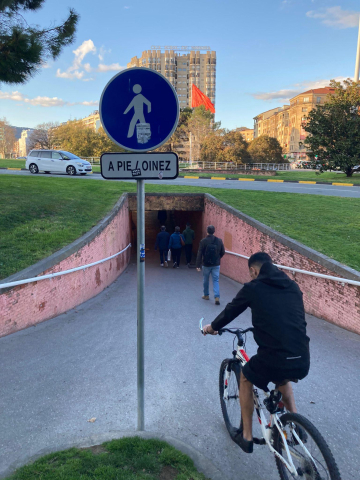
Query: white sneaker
[[161, 264]]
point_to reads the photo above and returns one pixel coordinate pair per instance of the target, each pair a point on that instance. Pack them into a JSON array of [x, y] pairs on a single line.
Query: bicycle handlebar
[[234, 331]]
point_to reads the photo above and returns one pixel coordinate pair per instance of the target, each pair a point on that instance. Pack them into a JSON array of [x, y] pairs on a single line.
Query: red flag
[[199, 98]]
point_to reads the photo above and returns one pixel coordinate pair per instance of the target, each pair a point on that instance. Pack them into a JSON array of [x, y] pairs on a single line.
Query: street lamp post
[[357, 64]]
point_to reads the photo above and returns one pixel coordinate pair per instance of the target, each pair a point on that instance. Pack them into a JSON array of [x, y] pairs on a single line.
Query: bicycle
[[297, 450]]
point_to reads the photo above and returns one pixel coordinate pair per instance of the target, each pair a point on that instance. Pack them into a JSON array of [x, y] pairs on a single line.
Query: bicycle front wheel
[[229, 384], [319, 465]]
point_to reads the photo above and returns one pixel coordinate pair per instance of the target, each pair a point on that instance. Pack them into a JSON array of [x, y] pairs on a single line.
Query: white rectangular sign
[[139, 166]]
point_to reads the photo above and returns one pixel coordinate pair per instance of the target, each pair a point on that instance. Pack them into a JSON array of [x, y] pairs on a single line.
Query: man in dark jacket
[[176, 242], [278, 318], [211, 250], [189, 236], [162, 241]]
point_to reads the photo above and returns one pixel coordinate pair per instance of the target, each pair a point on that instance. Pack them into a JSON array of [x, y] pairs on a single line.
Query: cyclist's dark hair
[[163, 228], [259, 259], [211, 229]]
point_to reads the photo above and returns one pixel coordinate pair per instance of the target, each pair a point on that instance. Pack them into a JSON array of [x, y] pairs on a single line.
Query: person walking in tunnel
[[189, 236], [176, 242], [162, 241], [211, 250]]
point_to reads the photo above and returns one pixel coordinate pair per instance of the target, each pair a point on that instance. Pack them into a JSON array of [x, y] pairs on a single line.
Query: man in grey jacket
[[211, 250]]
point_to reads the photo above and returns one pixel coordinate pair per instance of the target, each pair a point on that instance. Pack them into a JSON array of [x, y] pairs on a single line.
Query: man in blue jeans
[[211, 250]]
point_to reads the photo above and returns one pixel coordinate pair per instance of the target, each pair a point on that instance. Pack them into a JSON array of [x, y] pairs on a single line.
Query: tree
[[213, 148], [265, 149], [44, 136], [200, 125], [83, 141], [7, 138], [102, 144], [236, 148], [334, 129], [24, 48]]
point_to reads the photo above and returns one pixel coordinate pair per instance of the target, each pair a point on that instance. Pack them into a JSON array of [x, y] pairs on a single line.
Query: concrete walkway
[[58, 375]]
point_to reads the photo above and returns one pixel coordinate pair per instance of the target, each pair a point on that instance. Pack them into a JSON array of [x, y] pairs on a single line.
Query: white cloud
[[41, 101], [74, 72], [126, 8], [102, 53], [78, 70], [107, 68], [69, 75], [87, 103], [335, 17], [286, 94]]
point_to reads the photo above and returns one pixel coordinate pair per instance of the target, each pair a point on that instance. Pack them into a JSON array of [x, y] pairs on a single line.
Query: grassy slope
[[41, 215]]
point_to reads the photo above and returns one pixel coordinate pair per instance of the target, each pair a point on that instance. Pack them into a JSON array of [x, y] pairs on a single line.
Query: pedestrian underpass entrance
[[169, 210]]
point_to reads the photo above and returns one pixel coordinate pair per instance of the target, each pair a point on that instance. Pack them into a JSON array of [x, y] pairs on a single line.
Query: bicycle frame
[[266, 426]]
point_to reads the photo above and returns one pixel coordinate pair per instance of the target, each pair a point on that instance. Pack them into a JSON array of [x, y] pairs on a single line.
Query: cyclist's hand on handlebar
[[208, 330]]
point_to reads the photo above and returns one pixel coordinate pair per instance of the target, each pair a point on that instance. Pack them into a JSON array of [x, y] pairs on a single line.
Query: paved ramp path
[[56, 376]]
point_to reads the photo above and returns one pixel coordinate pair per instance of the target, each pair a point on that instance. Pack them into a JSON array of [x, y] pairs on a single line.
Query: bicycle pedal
[[259, 441]]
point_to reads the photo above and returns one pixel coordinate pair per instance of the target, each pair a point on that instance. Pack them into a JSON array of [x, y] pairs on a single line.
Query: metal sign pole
[[140, 301]]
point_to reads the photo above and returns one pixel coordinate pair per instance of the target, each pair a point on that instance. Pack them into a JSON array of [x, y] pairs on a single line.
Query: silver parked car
[[56, 161]]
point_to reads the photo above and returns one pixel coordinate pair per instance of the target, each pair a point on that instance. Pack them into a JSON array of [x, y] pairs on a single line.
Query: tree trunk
[[349, 171]]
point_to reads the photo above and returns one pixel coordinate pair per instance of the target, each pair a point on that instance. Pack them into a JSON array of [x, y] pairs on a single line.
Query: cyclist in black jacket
[[278, 317]]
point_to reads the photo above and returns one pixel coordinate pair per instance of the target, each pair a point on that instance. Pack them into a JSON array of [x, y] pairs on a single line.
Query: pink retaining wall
[[32, 303], [332, 301]]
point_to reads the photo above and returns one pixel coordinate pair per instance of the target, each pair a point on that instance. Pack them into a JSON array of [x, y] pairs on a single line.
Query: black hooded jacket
[[278, 318]]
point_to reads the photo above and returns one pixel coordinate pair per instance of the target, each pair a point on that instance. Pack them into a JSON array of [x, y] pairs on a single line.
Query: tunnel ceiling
[[183, 202]]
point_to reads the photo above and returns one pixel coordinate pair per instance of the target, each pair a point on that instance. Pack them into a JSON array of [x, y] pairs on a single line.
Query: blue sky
[[267, 51]]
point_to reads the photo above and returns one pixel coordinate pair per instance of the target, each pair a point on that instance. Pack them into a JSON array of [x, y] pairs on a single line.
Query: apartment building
[[92, 121], [183, 67], [247, 133], [286, 123], [300, 106]]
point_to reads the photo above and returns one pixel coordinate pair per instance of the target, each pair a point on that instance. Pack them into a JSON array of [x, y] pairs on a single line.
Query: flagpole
[[190, 159], [357, 63]]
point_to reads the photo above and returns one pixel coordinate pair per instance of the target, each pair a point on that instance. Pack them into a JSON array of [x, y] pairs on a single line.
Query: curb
[[189, 177], [202, 463]]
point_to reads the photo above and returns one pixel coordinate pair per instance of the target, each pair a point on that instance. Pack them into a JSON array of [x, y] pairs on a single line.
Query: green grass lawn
[[11, 163], [41, 215], [130, 458]]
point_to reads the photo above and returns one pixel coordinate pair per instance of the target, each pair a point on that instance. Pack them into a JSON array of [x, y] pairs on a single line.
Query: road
[[56, 376], [332, 190]]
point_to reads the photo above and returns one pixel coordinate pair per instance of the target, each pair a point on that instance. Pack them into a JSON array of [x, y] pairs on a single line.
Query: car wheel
[[33, 168], [71, 170]]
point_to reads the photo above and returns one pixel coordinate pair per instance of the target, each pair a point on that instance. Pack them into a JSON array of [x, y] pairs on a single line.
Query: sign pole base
[[140, 302]]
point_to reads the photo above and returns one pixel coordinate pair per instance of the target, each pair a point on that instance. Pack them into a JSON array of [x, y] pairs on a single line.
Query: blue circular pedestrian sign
[[139, 109]]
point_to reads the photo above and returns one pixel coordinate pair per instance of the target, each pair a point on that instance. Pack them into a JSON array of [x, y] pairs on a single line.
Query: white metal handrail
[[313, 274], [58, 274]]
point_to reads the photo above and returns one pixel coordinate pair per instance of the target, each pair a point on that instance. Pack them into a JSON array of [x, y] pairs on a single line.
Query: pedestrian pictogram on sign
[[137, 104]]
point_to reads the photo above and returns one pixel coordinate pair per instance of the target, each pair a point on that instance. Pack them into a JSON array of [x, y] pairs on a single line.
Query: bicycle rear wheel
[[320, 466], [229, 394]]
